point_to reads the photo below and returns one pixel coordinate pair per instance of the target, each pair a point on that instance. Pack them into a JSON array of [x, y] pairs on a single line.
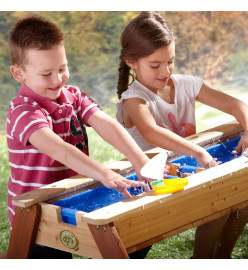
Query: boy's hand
[[121, 184]]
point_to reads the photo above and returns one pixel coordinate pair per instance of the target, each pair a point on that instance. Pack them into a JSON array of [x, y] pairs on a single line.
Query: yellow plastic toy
[[169, 185]]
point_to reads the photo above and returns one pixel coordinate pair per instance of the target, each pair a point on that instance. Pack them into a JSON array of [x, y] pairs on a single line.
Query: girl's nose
[[165, 70]]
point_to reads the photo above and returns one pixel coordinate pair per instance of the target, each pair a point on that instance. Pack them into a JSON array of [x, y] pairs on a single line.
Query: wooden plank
[[24, 232], [119, 165], [186, 227], [51, 191], [51, 226], [181, 211], [108, 241]]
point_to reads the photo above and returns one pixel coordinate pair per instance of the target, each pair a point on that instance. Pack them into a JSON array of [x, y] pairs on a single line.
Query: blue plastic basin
[[93, 199]]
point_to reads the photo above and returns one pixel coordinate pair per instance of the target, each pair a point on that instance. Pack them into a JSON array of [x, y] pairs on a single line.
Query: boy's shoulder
[[72, 88], [75, 90], [20, 101]]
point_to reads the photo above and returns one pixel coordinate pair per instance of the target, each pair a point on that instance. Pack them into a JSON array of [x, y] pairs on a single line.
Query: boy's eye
[[63, 69]]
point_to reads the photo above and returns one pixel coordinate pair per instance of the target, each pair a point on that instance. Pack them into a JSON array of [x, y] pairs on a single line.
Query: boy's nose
[[57, 79]]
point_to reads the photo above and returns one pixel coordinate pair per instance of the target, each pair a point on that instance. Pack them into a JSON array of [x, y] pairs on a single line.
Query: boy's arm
[[113, 133], [52, 145]]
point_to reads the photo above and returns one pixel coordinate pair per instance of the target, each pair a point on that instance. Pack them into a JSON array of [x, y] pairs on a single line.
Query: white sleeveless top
[[178, 117]]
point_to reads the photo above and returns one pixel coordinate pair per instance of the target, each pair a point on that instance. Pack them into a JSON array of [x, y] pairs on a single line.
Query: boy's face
[[45, 71]]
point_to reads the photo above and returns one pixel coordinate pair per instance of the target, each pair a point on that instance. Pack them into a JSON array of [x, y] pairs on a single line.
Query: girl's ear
[[17, 73], [131, 64]]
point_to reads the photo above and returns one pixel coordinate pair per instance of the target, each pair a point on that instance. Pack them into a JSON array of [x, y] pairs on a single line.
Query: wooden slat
[[24, 232], [108, 241], [186, 227], [51, 191]]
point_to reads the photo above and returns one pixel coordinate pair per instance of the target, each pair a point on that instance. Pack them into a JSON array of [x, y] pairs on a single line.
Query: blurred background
[[210, 44]]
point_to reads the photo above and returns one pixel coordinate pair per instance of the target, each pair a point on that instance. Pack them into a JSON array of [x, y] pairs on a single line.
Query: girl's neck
[[167, 93]]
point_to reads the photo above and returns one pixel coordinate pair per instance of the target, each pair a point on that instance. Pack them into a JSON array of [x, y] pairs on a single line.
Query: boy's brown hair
[[32, 33]]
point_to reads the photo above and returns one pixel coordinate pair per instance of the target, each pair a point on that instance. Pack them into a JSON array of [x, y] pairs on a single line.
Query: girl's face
[[154, 71], [46, 72]]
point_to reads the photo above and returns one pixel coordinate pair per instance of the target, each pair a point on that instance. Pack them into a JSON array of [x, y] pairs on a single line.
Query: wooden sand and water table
[[115, 230]]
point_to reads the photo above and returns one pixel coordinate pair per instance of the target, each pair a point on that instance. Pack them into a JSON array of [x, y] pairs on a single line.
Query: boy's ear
[[131, 63], [17, 73]]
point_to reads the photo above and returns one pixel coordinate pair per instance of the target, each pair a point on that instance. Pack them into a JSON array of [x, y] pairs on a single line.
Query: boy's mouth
[[54, 88]]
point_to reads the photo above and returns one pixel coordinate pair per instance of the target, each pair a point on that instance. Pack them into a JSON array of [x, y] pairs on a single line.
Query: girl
[[158, 109]]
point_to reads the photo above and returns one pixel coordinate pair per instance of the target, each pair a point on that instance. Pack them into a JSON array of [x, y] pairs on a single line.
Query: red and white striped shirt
[[28, 112]]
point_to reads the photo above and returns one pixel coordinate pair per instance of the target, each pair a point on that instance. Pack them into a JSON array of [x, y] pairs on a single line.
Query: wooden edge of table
[[53, 190], [78, 182]]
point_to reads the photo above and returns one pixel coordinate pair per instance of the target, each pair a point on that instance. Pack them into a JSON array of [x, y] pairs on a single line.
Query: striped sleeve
[[88, 107], [24, 120]]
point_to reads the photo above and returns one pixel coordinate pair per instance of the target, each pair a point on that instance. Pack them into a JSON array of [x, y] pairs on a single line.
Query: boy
[[46, 134]]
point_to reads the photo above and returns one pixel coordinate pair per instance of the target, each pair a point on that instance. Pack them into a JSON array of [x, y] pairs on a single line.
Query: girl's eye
[[46, 75], [155, 67]]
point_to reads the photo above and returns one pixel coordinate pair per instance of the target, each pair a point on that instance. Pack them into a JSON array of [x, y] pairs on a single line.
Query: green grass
[[4, 175]]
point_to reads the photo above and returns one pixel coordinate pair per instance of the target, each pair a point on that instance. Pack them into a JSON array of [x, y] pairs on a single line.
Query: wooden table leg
[[24, 232], [108, 241]]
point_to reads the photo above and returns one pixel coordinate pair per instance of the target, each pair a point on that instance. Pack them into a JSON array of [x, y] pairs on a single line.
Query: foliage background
[[210, 44]]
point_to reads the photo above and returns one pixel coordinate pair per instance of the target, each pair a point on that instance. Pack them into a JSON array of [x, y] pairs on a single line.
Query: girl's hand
[[242, 145]]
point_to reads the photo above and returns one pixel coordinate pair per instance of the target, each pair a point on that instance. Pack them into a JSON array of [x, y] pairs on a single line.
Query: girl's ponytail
[[123, 80]]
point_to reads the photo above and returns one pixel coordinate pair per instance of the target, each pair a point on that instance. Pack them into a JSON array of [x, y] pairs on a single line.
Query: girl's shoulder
[[186, 79], [136, 90]]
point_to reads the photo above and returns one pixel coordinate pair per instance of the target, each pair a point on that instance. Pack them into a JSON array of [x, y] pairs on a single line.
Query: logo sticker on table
[[69, 239]]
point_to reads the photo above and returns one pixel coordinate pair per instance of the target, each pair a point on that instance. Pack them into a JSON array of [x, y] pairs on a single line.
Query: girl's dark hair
[[142, 36], [32, 32]]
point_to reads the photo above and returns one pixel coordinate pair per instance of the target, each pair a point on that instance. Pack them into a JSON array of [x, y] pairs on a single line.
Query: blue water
[[99, 197]]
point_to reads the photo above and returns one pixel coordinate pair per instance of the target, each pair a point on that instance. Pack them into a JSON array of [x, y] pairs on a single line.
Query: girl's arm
[[230, 105], [142, 118], [52, 145], [113, 133]]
